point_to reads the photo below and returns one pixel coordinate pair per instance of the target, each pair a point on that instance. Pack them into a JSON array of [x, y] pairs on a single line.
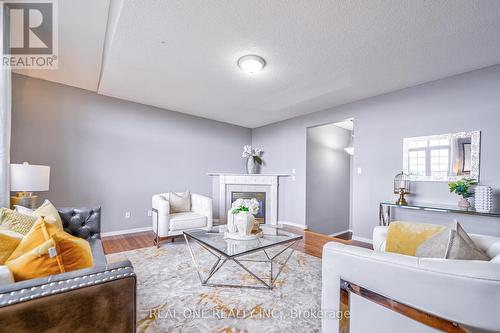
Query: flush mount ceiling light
[[251, 64]]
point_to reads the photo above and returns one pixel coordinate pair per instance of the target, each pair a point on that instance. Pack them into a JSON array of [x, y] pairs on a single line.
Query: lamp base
[[25, 199], [401, 200]]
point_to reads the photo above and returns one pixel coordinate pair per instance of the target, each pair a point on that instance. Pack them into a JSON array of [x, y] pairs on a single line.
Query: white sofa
[[166, 224], [450, 292]]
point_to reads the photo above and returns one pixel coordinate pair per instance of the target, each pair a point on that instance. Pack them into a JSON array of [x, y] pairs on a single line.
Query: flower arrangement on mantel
[[462, 188], [254, 158]]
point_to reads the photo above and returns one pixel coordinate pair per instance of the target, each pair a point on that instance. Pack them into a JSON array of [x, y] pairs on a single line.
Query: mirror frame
[[475, 155]]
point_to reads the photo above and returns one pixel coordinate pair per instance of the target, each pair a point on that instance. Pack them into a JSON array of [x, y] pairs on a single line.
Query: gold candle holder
[[402, 200]]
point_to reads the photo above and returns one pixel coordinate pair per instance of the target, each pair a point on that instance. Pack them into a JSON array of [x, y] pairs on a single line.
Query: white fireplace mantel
[[268, 183]]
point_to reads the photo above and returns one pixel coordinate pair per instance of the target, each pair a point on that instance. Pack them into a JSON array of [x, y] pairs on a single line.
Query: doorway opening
[[329, 156]]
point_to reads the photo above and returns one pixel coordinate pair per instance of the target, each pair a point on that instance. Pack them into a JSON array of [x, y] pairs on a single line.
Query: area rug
[[170, 297]]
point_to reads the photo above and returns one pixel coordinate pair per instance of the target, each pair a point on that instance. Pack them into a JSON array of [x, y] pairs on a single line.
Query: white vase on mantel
[[244, 223], [252, 166]]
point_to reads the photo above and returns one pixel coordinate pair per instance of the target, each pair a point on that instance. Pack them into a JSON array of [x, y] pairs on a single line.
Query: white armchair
[[383, 290], [167, 225]]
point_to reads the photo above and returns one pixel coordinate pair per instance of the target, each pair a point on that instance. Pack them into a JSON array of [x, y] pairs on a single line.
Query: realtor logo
[[29, 34]]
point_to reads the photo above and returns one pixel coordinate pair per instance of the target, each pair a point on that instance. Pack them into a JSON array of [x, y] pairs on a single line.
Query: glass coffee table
[[271, 249]]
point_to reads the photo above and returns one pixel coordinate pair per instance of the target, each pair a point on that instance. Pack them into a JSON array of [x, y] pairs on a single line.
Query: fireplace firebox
[[261, 198]]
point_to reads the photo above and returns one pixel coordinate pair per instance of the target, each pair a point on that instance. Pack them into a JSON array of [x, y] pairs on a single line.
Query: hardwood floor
[[346, 235], [312, 242], [121, 243]]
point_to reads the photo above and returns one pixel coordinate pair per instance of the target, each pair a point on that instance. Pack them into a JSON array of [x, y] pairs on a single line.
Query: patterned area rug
[[171, 299]]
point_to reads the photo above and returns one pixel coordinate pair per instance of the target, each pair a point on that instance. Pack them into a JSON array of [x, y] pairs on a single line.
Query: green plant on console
[[462, 187]]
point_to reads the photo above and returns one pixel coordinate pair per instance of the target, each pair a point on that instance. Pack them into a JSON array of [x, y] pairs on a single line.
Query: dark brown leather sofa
[[97, 299]]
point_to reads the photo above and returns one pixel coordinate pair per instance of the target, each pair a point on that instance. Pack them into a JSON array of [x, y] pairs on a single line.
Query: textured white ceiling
[[181, 55]]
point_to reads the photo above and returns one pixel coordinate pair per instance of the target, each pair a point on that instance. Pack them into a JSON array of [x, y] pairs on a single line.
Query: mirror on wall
[[445, 157]]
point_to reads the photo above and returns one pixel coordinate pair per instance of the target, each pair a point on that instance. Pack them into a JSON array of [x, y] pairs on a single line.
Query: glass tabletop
[[445, 208], [215, 240]]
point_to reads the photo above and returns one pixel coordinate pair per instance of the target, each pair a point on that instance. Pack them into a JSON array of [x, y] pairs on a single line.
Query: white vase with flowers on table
[[241, 223]]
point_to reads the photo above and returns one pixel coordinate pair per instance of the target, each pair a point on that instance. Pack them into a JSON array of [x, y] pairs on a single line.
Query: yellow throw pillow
[[75, 251], [39, 234], [9, 240], [47, 209], [15, 221], [406, 237], [61, 253], [40, 261]]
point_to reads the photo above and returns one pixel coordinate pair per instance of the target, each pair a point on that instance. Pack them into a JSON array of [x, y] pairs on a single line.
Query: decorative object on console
[[241, 223], [254, 158], [483, 198], [402, 187], [26, 179], [462, 188]]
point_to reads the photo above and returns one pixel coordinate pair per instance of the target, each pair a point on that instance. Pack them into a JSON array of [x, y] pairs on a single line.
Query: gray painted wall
[[328, 177], [109, 152], [465, 102]]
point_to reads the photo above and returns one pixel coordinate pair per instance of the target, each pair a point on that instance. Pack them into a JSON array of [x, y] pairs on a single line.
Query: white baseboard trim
[[125, 231], [293, 224], [340, 232], [362, 239]]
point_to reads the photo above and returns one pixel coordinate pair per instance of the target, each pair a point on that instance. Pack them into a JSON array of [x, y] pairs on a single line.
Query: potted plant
[[254, 159], [244, 211], [462, 188]]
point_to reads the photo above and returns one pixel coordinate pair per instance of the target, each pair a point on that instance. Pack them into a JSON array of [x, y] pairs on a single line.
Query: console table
[[385, 210]]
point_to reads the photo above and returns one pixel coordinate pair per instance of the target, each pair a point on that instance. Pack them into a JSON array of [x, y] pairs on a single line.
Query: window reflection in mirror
[[445, 157]]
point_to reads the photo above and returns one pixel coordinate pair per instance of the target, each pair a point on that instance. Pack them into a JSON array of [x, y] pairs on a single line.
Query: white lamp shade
[[29, 178]]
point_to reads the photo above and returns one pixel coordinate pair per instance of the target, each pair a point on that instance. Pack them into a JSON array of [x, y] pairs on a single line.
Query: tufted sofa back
[[83, 222]]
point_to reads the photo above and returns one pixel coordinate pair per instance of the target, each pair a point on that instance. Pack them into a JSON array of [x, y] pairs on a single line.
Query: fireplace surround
[[265, 186]]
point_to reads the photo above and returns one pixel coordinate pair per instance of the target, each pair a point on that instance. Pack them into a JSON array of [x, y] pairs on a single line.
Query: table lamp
[[26, 179]]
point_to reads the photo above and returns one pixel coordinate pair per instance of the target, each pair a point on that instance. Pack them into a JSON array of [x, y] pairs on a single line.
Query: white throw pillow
[[179, 203], [451, 243]]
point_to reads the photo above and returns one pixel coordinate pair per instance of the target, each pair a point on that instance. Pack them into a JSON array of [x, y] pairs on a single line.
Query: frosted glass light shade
[[251, 64], [29, 178]]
